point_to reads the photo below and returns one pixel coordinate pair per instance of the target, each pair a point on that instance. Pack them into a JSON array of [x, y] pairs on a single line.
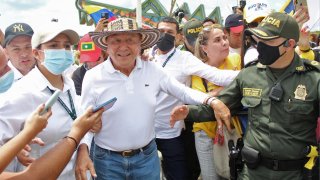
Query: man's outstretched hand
[[178, 113]]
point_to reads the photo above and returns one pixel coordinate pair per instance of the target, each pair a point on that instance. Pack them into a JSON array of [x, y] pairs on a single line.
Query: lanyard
[[168, 58], [72, 112]]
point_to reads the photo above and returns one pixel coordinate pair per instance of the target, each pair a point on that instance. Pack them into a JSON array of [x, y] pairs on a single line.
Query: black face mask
[[268, 54], [166, 42]]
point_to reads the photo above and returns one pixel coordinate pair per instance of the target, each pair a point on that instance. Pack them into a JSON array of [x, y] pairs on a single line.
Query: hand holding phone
[[301, 14], [53, 98], [107, 105]]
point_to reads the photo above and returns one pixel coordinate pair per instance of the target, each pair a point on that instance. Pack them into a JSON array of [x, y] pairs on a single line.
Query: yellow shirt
[[232, 62]]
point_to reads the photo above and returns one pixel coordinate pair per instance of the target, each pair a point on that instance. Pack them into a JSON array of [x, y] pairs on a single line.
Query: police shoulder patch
[[311, 65]]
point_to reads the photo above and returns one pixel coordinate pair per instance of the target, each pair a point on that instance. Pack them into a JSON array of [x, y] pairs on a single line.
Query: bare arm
[[51, 164], [302, 16], [220, 77], [34, 124]]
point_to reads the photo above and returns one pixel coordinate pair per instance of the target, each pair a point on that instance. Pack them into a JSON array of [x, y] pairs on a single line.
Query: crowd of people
[[205, 73]]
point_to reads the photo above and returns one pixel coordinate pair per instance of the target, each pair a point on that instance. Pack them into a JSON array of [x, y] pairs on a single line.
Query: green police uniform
[[280, 129]]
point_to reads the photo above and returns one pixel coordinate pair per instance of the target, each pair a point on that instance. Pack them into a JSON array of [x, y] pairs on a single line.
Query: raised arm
[[51, 164], [202, 113], [194, 66], [34, 124], [219, 109]]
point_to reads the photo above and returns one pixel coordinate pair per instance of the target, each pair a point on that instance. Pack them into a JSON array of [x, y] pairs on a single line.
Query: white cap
[[255, 9], [43, 36]]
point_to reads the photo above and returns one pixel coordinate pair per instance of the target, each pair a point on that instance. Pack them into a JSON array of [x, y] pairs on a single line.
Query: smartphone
[[53, 98], [105, 15], [107, 105]]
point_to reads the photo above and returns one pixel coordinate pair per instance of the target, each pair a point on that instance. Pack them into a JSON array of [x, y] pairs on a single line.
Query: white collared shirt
[[129, 124], [23, 98], [16, 72], [181, 66]]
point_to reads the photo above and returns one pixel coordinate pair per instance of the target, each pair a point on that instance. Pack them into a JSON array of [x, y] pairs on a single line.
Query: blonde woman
[[212, 47]]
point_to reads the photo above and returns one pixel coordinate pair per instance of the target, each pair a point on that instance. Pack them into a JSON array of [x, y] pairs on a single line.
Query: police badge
[[300, 92]]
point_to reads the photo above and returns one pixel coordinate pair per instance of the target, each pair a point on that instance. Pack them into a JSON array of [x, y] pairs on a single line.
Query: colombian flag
[[288, 7], [95, 12]]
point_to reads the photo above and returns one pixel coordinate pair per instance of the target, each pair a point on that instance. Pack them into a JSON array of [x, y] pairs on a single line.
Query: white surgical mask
[[57, 60]]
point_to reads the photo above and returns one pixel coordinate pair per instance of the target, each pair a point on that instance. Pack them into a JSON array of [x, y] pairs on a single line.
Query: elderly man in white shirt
[[125, 146]]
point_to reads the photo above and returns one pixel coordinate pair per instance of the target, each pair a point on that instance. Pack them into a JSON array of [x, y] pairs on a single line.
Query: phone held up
[[105, 15], [106, 105], [53, 98]]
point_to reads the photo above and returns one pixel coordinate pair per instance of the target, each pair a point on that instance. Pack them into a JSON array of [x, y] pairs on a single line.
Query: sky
[[39, 13]]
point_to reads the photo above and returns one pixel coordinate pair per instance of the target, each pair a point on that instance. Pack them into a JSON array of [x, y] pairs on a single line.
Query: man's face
[[235, 39], [124, 48], [179, 39], [272, 42], [19, 51], [169, 28]]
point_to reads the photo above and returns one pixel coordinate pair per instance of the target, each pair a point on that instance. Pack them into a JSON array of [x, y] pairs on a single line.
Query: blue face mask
[[57, 60], [6, 81]]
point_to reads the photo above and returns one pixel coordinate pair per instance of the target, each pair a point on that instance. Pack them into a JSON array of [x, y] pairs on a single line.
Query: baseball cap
[[16, 29], [234, 22], [255, 10], [45, 35], [89, 52], [191, 29], [276, 25]]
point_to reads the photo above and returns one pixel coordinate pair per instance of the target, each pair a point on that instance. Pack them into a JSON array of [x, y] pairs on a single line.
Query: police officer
[[281, 91]]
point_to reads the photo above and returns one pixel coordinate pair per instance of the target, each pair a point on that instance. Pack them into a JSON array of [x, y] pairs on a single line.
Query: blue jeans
[[174, 162], [113, 166]]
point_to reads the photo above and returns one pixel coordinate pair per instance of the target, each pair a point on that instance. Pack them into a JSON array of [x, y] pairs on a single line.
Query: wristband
[[210, 100], [75, 141], [206, 100]]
